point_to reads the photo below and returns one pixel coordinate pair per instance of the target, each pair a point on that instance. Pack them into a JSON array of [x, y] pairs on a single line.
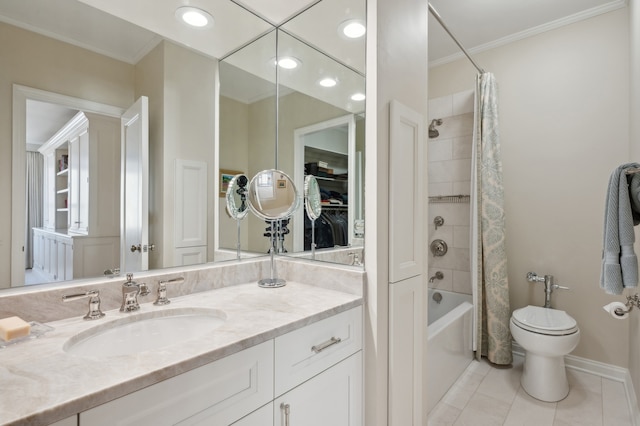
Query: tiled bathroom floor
[[488, 396]]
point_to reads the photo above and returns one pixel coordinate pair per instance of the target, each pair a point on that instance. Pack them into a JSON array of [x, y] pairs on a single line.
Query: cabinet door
[[333, 397], [260, 417], [48, 193], [79, 183], [215, 394], [61, 261]]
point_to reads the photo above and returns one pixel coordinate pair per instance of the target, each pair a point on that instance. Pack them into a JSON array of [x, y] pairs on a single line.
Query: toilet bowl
[[547, 335]]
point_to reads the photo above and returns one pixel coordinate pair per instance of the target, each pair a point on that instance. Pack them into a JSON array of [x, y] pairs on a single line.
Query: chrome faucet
[[130, 292]]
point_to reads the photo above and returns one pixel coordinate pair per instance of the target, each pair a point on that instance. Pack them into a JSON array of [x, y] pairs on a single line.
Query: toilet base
[[544, 377]]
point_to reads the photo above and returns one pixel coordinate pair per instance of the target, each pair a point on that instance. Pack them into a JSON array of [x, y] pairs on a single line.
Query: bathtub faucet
[[438, 276], [549, 286]]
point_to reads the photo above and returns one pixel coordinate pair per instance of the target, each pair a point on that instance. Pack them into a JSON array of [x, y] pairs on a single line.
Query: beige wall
[[189, 130], [563, 99], [634, 155], [234, 146], [150, 83], [32, 60]]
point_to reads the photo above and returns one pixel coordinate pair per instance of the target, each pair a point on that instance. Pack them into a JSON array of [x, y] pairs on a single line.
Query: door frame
[[22, 94], [298, 171]]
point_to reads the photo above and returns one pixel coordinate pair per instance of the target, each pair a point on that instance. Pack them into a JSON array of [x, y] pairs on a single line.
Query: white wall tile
[[462, 282], [440, 188], [440, 107], [440, 150], [461, 236], [463, 102], [461, 188], [461, 147]]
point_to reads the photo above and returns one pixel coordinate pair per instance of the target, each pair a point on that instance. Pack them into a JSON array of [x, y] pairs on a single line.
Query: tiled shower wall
[[449, 170]]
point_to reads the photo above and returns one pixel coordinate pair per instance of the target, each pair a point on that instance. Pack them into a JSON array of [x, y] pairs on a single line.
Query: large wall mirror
[[320, 110], [82, 51]]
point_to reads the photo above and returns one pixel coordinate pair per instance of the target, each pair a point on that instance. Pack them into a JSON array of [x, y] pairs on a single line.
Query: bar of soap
[[13, 328]]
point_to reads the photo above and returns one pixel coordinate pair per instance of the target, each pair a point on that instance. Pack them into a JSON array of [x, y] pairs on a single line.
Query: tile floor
[[488, 396]]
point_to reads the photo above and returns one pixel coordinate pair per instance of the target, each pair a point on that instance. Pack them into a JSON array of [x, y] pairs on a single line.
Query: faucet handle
[[532, 277], [162, 291], [560, 287], [94, 303]]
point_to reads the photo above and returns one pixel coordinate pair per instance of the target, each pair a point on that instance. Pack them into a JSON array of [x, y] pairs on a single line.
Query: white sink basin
[[144, 332]]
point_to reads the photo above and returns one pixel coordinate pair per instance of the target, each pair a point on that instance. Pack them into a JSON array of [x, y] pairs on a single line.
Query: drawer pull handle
[[286, 409], [321, 347]]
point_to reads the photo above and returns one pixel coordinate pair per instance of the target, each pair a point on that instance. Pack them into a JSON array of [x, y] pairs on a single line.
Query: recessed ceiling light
[[358, 97], [194, 17], [288, 62], [353, 28], [328, 82]]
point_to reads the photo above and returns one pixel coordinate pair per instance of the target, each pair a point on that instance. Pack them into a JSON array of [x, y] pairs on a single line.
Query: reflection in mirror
[[247, 130], [313, 208], [274, 198], [237, 204], [71, 49], [272, 195], [320, 129]]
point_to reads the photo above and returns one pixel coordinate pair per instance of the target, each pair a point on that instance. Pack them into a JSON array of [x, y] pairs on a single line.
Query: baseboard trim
[[601, 369]]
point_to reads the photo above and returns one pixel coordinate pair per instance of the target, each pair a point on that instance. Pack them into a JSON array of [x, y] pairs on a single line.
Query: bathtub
[[449, 350]]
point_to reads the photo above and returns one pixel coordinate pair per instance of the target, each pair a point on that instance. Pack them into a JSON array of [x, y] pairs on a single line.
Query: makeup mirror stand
[[272, 281]]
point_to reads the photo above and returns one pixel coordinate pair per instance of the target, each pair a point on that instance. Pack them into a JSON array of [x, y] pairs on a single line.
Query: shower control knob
[[438, 247]]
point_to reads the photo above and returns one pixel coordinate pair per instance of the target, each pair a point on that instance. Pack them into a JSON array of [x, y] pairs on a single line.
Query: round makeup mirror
[[313, 207], [272, 195], [237, 206], [312, 200], [237, 197]]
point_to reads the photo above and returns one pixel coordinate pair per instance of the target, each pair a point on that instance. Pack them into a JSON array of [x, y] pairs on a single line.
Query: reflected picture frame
[[225, 177]]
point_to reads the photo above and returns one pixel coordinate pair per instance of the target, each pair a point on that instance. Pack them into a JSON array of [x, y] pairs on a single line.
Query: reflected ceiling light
[[328, 82], [358, 97], [353, 28], [194, 17], [288, 62]]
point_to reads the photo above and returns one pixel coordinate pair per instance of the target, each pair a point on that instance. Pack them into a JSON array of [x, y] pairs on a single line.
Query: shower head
[[433, 133]]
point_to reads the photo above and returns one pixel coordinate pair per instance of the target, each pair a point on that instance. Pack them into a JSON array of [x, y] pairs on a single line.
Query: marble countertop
[[40, 383]]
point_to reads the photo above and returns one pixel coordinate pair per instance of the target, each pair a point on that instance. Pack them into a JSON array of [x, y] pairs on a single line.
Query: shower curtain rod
[[436, 15]]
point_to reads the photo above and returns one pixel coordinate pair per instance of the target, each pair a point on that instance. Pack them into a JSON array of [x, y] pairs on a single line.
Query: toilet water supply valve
[[549, 286]]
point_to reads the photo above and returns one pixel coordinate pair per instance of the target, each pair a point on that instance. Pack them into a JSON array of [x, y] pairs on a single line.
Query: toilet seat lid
[[544, 320]]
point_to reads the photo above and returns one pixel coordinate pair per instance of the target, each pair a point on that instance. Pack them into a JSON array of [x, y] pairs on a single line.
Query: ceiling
[[482, 25], [478, 25]]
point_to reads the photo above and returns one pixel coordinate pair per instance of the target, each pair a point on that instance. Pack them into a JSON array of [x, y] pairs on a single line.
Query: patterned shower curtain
[[33, 202], [492, 337]]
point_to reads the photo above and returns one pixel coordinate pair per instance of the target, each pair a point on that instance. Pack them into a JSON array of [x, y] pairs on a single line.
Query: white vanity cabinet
[[334, 398], [319, 373], [314, 373], [218, 393], [61, 256]]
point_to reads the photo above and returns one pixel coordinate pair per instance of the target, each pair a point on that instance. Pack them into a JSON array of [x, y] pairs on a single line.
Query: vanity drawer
[[218, 393], [306, 352]]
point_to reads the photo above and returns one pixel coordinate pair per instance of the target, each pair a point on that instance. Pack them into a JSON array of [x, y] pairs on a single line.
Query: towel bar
[[632, 171]]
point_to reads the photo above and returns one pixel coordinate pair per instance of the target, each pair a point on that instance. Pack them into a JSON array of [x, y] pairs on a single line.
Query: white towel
[[619, 262]]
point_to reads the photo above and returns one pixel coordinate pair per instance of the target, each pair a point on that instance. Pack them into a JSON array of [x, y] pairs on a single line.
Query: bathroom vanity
[[293, 352]]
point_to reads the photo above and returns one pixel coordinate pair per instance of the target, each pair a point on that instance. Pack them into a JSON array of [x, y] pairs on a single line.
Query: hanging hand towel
[[619, 262], [634, 194]]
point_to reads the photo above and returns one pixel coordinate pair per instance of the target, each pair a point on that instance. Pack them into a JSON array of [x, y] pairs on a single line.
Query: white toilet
[[547, 335]]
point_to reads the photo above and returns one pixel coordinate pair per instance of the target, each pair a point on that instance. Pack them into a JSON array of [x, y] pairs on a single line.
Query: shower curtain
[[492, 337], [34, 207]]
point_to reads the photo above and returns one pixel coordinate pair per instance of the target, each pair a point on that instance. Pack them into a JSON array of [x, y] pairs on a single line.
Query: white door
[[134, 210]]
